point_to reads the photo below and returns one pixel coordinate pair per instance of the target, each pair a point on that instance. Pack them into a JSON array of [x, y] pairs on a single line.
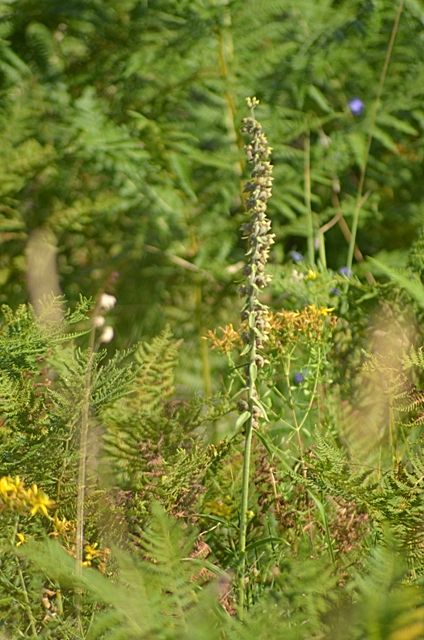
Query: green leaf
[[385, 139], [253, 372], [358, 144], [320, 99], [243, 417], [409, 283], [396, 123]]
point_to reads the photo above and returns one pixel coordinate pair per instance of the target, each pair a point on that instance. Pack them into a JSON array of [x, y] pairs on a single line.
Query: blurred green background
[[122, 160]]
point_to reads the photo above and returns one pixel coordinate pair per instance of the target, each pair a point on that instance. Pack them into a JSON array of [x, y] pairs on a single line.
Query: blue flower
[[345, 271], [296, 256], [335, 291], [356, 106], [298, 378]]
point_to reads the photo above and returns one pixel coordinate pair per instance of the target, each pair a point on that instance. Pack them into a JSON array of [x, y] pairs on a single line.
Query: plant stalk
[[254, 313], [373, 119]]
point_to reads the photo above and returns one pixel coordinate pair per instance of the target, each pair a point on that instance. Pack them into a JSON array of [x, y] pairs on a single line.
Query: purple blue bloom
[[356, 106], [335, 291], [298, 378], [296, 256], [345, 271]]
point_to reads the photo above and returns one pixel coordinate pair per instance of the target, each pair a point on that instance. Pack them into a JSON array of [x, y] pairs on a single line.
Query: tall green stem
[[254, 313], [308, 202], [83, 446], [373, 119], [32, 621], [244, 513], [82, 470]]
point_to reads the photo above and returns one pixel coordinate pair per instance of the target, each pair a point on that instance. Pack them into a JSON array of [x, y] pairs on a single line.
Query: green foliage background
[[120, 135], [122, 159]]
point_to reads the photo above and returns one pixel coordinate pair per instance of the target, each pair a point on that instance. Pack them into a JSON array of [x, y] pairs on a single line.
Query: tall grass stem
[[373, 119]]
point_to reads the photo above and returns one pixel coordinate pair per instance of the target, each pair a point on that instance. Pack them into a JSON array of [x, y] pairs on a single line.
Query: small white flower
[[325, 140], [98, 321], [107, 302], [107, 335], [297, 275]]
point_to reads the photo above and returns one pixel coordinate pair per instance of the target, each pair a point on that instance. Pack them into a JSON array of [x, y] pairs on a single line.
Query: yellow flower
[[91, 551], [320, 311], [39, 501], [220, 508], [21, 538], [7, 485], [61, 526], [311, 275], [229, 340], [325, 311]]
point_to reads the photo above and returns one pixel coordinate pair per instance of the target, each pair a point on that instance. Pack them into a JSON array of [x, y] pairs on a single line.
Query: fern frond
[[389, 607], [153, 597]]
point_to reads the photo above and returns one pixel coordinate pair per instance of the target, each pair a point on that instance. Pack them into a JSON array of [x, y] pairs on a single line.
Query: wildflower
[[92, 554], [296, 256], [39, 501], [98, 321], [220, 508], [324, 140], [345, 271], [320, 311], [298, 378], [107, 335], [230, 338], [356, 106], [61, 526], [13, 494], [297, 276], [107, 302], [307, 324], [311, 275], [335, 291], [257, 232], [7, 485], [21, 538]]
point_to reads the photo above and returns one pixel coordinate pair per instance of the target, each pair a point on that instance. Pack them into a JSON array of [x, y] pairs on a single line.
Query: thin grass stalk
[[203, 347], [308, 201], [105, 303], [254, 314], [82, 464], [27, 606], [82, 472], [225, 62], [373, 119]]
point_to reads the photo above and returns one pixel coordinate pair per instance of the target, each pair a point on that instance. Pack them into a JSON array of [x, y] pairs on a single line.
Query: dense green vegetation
[[211, 360]]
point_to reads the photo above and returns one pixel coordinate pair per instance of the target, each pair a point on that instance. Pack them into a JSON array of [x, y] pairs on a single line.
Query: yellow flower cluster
[[63, 528], [18, 498], [309, 323], [227, 339], [93, 556], [221, 508], [311, 275]]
